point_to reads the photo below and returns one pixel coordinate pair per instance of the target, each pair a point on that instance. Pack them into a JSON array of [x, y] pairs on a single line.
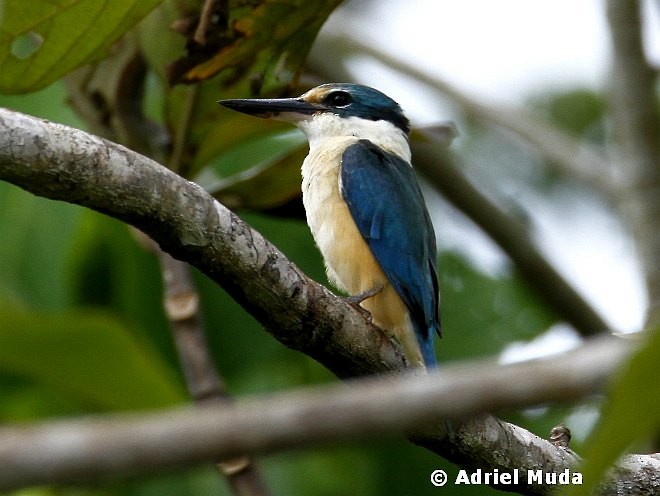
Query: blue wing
[[385, 201]]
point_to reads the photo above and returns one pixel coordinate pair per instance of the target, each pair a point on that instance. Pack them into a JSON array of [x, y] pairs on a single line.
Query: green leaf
[[273, 35], [272, 182], [49, 103], [42, 40], [254, 48], [631, 413], [580, 111], [36, 237], [87, 356]]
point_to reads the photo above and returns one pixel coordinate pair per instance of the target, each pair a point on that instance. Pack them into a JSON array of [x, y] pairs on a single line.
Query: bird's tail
[[428, 351]]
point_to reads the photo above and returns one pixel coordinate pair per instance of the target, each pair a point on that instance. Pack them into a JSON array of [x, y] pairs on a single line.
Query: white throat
[[321, 127]]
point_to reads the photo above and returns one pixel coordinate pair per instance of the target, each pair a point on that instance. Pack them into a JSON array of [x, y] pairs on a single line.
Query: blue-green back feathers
[[387, 205]]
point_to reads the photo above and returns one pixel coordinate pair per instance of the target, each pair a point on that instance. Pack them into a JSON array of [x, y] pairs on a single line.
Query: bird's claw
[[355, 301], [360, 297], [365, 313]]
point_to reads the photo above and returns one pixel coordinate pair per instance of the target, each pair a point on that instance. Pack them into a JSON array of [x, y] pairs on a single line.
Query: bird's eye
[[339, 99]]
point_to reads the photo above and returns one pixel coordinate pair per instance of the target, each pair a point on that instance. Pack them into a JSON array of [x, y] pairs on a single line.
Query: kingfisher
[[365, 208]]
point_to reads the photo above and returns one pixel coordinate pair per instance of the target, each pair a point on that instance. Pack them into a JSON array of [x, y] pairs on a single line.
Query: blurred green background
[[82, 329]]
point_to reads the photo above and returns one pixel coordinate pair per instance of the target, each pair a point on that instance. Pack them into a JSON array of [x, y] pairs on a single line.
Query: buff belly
[[349, 263]]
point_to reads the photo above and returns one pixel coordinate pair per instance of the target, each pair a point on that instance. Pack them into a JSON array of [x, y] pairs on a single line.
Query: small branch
[[636, 119], [633, 91], [182, 311], [439, 167], [177, 160], [204, 22], [569, 155], [203, 381], [97, 448]]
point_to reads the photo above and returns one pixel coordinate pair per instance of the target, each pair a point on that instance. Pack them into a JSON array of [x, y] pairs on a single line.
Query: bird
[[365, 208]]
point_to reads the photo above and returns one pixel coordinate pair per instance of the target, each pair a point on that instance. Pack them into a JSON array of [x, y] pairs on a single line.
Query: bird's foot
[[360, 297], [355, 300]]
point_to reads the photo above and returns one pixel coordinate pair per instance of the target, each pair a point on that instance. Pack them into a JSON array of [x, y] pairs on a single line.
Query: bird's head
[[333, 108]]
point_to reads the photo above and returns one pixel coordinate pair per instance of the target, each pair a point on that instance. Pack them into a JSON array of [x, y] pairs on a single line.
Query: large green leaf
[[254, 48], [36, 235], [86, 356], [631, 414], [42, 40]]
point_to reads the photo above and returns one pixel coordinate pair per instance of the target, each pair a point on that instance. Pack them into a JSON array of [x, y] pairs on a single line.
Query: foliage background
[[83, 328]]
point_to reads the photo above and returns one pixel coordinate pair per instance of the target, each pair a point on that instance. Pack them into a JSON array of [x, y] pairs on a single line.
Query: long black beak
[[270, 107]]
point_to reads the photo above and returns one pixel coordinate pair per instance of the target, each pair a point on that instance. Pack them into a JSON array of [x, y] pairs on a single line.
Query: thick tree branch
[[97, 448], [66, 164]]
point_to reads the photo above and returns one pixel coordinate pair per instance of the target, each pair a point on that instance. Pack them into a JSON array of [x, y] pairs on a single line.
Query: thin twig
[[204, 383], [204, 22], [439, 167], [182, 311], [176, 160], [569, 155]]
